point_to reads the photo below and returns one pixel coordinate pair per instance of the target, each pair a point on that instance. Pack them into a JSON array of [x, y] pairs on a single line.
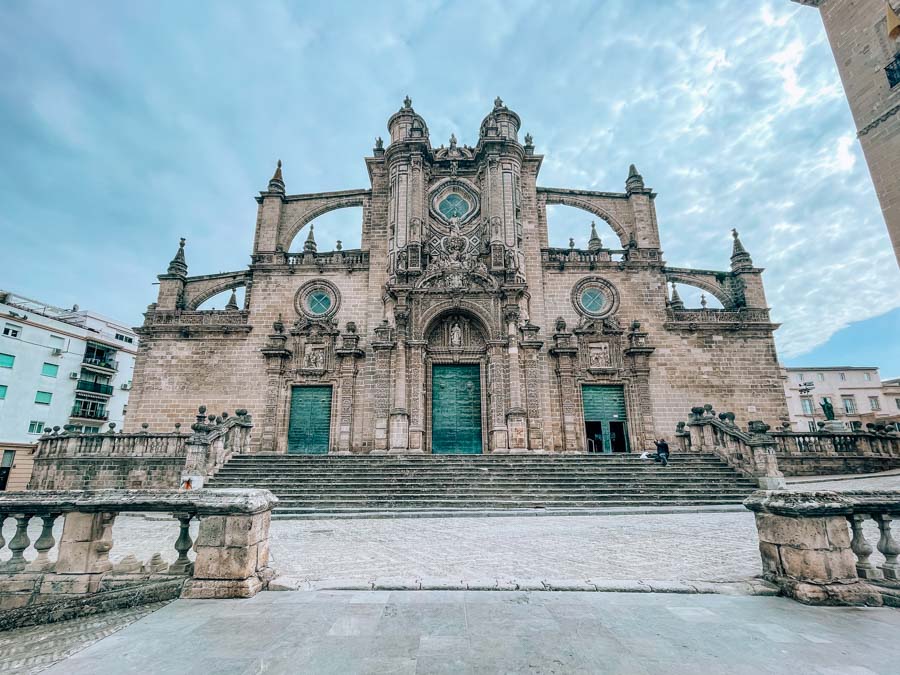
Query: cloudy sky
[[124, 126]]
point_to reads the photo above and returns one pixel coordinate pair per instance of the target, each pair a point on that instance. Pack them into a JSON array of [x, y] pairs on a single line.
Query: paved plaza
[[496, 632]]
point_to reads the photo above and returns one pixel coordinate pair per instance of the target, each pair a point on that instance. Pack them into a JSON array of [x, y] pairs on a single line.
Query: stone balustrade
[[232, 545], [352, 259], [814, 545], [750, 452], [67, 460], [812, 453], [579, 258]]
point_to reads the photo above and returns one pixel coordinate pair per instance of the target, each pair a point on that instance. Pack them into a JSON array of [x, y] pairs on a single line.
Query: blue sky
[[125, 126]]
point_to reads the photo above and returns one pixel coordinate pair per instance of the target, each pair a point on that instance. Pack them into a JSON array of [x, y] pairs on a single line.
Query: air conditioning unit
[[56, 351], [125, 387], [73, 376]]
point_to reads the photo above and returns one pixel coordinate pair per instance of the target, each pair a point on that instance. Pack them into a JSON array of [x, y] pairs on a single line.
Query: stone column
[[531, 355], [348, 354], [416, 368], [517, 430], [805, 546], [381, 348], [496, 384], [83, 554], [277, 357], [566, 352], [399, 422], [637, 361]]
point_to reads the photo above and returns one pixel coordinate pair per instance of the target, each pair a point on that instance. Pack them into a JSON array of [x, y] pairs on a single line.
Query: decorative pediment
[[315, 329]]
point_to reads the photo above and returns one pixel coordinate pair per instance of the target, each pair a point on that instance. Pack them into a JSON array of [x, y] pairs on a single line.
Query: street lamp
[[806, 388]]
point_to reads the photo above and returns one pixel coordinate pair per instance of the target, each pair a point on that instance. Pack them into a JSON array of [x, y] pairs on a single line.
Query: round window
[[453, 206], [593, 300], [318, 302]]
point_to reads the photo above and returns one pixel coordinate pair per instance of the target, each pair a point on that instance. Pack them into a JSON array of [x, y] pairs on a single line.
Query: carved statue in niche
[[599, 355], [455, 335], [401, 261], [314, 359]]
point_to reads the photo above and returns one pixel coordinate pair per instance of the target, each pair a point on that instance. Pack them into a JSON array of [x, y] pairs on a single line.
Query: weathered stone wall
[[794, 465], [53, 473]]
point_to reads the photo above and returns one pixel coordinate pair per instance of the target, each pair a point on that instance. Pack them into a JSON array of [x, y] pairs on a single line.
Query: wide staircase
[[329, 484]]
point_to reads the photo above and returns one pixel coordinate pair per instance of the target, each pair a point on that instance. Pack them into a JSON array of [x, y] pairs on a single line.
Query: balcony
[[95, 387], [893, 72], [88, 414], [101, 364]]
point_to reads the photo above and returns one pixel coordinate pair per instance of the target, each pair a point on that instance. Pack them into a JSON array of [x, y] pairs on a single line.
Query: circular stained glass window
[[593, 300], [453, 206], [318, 302]]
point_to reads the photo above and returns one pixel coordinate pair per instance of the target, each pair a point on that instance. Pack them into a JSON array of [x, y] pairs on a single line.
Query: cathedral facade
[[455, 327]]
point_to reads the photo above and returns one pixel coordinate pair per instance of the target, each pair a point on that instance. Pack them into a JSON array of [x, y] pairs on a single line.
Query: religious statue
[[455, 335], [827, 408]]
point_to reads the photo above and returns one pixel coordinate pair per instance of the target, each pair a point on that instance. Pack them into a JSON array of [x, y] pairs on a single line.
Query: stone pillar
[[496, 384], [416, 368], [348, 354], [381, 348], [516, 424], [531, 355], [232, 557], [637, 362], [277, 357], [566, 353], [805, 546], [83, 554]]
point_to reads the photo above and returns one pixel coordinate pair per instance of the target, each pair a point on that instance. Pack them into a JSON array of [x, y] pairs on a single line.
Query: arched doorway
[[455, 369]]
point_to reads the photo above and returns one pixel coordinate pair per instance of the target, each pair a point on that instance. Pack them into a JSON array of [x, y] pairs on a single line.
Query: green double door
[[604, 418], [456, 409], [310, 422]]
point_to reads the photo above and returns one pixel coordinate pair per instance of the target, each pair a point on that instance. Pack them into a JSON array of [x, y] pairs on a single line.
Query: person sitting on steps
[[662, 452]]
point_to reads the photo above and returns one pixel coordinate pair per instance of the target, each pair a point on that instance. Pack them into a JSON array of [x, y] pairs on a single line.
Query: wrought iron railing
[[101, 363], [95, 387], [87, 413], [893, 72]]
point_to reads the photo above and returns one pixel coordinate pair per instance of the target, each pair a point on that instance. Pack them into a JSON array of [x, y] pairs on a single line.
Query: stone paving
[[493, 632]]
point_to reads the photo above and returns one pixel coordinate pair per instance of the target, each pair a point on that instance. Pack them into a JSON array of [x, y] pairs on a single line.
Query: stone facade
[[455, 268], [865, 39]]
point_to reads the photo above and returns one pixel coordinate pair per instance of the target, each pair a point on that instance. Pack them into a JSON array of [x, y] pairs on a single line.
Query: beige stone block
[[207, 589], [19, 583], [216, 562], [246, 530], [14, 601], [211, 531], [795, 532], [838, 530], [74, 557], [262, 554], [818, 565], [80, 526], [771, 559], [75, 584]]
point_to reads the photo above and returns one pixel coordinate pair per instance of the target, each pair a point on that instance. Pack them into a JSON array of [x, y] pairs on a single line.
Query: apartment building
[[855, 395]]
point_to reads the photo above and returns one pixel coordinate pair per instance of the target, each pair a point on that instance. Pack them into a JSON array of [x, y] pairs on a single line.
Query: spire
[[232, 302], [178, 266], [276, 184], [635, 181], [594, 243], [309, 245], [675, 302], [740, 259], [893, 22]]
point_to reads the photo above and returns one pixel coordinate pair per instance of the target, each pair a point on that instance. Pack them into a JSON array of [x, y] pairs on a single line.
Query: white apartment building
[[855, 394], [60, 368]]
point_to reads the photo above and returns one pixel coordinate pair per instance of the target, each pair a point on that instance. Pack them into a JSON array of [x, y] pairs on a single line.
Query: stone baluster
[[182, 545], [2, 522], [44, 545], [862, 549], [19, 544], [888, 547]]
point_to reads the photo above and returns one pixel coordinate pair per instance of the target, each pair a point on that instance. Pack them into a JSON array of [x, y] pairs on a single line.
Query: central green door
[[456, 409], [604, 417], [310, 423]]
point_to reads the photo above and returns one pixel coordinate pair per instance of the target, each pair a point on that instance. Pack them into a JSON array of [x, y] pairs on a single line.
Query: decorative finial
[[740, 258], [893, 23], [703, 300], [277, 325], [498, 102], [594, 243], [276, 183], [178, 265], [571, 242], [338, 246], [309, 246], [232, 305], [676, 302], [407, 103], [529, 139], [635, 181]]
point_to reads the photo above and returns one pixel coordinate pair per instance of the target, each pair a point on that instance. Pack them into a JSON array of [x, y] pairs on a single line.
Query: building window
[[893, 72], [843, 376], [9, 456], [849, 405], [812, 425], [125, 338], [90, 430], [35, 427], [49, 369], [897, 402], [318, 302], [12, 330], [821, 377], [807, 406], [874, 403], [43, 397], [799, 377], [867, 377], [453, 206], [3, 389], [7, 360]]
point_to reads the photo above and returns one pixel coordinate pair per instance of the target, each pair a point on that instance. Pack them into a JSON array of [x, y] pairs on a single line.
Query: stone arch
[[552, 198], [197, 298], [706, 283], [434, 315], [315, 208]]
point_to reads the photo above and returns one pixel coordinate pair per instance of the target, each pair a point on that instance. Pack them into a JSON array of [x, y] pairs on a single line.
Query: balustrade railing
[[109, 364], [858, 443], [818, 546], [231, 546], [565, 256], [95, 387], [348, 258]]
